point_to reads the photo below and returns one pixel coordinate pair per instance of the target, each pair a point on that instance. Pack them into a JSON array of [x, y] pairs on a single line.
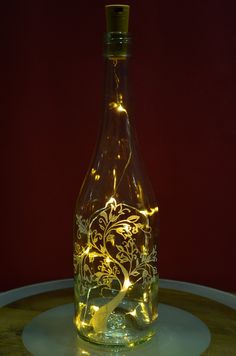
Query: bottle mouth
[[117, 18], [117, 44]]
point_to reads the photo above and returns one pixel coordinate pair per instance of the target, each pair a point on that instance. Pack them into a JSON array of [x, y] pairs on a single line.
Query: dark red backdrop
[[183, 71]]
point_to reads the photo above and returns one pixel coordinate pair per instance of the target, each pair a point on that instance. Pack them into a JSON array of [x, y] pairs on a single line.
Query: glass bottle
[[116, 218]]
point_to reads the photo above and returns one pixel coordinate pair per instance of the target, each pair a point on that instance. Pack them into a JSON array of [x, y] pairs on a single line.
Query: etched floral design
[[111, 257]]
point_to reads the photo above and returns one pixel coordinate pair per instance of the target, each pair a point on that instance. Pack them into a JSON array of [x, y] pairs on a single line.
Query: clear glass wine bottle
[[116, 225]]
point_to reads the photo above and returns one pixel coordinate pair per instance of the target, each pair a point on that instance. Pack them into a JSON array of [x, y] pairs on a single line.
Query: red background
[[183, 76]]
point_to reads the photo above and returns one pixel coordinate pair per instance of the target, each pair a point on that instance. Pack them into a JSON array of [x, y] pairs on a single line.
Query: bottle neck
[[117, 107], [116, 86]]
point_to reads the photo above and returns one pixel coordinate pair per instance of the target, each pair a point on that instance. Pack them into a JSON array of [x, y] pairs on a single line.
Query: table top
[[215, 309]]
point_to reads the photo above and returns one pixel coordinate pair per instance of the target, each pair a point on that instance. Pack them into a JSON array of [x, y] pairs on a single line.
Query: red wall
[[183, 71]]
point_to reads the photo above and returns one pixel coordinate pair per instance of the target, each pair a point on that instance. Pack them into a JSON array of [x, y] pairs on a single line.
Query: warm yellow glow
[[112, 240], [127, 284], [93, 171], [114, 181], [118, 107], [97, 177], [140, 191], [118, 156], [94, 308], [144, 250], [77, 322], [86, 251], [145, 312], [131, 344], [93, 254], [133, 313], [111, 201], [126, 227], [108, 260], [145, 297], [86, 353], [151, 212], [80, 323]]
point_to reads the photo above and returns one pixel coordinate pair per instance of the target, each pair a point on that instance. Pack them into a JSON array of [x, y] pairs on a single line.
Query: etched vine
[[111, 257]]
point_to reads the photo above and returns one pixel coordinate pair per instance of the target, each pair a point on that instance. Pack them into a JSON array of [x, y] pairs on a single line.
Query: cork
[[117, 18]]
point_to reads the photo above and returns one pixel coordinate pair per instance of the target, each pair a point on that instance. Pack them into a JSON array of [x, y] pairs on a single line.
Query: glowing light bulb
[[86, 252], [126, 227], [144, 250], [93, 254], [133, 313], [151, 212], [86, 353], [94, 308], [120, 108], [111, 201], [145, 297], [117, 106], [127, 284]]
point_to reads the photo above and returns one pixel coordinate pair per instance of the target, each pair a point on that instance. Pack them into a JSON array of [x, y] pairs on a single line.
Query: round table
[[213, 308]]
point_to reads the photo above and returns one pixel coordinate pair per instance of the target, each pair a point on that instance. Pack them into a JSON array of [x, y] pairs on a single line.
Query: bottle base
[[122, 341], [121, 332]]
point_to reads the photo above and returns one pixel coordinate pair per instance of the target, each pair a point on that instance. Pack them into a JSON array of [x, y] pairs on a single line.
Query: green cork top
[[117, 18]]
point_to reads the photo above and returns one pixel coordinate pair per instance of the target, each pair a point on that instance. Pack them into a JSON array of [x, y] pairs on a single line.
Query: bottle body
[[116, 230]]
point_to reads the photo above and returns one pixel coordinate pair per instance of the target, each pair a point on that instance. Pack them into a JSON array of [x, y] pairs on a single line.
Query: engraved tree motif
[[111, 257]]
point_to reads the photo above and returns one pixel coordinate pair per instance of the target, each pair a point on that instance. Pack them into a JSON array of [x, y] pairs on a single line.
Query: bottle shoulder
[[115, 177]]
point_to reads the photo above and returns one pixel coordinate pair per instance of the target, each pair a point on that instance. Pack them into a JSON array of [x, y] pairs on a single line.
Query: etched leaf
[[120, 248], [111, 238], [133, 218], [140, 226], [99, 274], [119, 230]]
